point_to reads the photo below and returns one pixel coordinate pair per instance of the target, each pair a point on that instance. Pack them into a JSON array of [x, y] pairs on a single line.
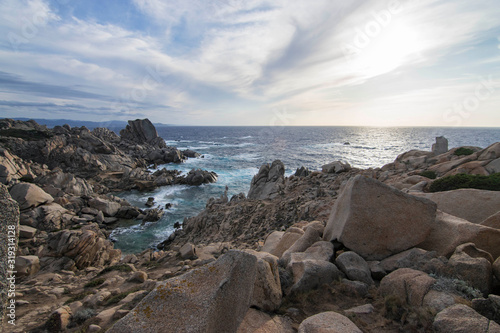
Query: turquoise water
[[236, 153]]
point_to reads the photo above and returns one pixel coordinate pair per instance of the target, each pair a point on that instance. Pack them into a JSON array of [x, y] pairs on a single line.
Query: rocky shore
[[337, 250]]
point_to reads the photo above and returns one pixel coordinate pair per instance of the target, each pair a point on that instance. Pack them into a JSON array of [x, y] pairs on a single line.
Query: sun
[[397, 44]]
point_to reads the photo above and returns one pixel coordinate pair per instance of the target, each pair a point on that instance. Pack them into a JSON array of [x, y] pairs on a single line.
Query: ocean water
[[236, 154]]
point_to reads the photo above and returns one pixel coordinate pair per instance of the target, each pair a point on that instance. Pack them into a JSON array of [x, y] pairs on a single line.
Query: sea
[[236, 154]]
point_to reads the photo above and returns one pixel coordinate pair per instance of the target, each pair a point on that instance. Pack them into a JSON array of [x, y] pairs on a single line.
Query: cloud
[[215, 59]]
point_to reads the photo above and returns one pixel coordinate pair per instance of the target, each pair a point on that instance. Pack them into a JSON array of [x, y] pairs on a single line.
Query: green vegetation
[[491, 182], [95, 283], [120, 268], [117, 298], [78, 297], [416, 318], [463, 151], [455, 286], [429, 174], [82, 315], [29, 135]]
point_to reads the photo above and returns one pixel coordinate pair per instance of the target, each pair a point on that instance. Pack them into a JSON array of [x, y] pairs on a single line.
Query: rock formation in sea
[[337, 250]]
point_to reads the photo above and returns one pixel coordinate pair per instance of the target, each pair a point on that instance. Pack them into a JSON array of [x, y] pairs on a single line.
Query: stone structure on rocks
[[441, 145], [215, 298], [369, 218]]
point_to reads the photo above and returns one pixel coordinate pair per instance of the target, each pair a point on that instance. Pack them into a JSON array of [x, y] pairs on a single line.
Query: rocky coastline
[[337, 250]]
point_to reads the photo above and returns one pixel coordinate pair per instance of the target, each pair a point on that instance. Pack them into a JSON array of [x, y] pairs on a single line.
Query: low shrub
[[491, 182], [428, 174], [455, 286], [78, 297], [94, 283], [463, 151], [120, 268], [82, 315]]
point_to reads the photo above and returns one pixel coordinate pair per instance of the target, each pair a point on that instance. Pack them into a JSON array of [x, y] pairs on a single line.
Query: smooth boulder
[[449, 231], [461, 318], [328, 322], [29, 195], [469, 204], [376, 220], [214, 298]]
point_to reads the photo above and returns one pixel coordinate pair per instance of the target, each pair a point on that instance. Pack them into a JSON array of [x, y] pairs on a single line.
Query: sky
[[253, 62]]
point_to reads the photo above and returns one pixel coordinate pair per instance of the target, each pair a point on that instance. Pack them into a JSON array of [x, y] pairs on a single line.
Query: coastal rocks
[[302, 172], [461, 318], [449, 231], [11, 167], [47, 217], [165, 155], [470, 204], [59, 319], [65, 183], [260, 322], [407, 284], [268, 182], [493, 221], [336, 167], [153, 215], [328, 322], [441, 145], [108, 207], [309, 274], [354, 267], [267, 288], [368, 219], [198, 177], [27, 265], [87, 247], [473, 266], [29, 195], [9, 212], [496, 268], [215, 298], [142, 131]]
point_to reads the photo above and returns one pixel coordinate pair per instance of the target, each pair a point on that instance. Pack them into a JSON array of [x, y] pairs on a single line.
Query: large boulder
[[310, 274], [197, 177], [289, 238], [65, 183], [267, 288], [86, 247], [260, 322], [214, 298], [268, 182], [376, 220], [354, 267], [328, 322], [336, 167], [449, 231], [108, 207], [461, 318], [469, 204], [493, 221], [142, 131], [9, 226], [11, 167], [29, 195], [473, 266], [27, 265], [408, 285], [310, 237]]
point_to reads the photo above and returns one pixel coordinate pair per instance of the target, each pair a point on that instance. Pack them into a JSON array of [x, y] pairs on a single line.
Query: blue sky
[[253, 62]]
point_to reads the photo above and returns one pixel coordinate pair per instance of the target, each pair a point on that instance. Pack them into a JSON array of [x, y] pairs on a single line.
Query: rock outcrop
[[29, 195], [9, 228], [369, 218], [268, 182], [215, 298], [142, 131], [469, 204], [441, 145]]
